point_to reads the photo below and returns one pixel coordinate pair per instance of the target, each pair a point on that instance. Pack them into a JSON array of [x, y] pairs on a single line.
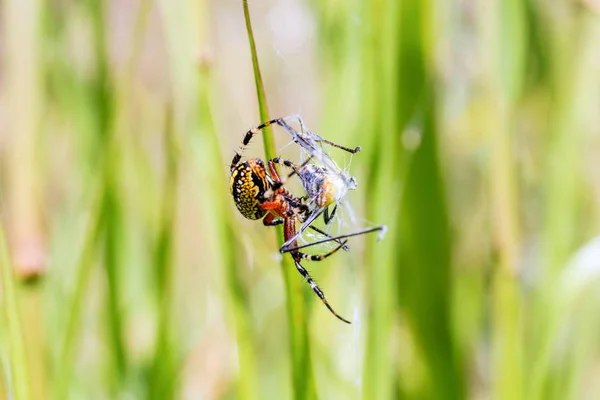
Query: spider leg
[[328, 217], [320, 257], [339, 146], [247, 138], [288, 231], [286, 248], [255, 131], [317, 290], [270, 220], [318, 138], [314, 228], [298, 137], [278, 181], [287, 163]]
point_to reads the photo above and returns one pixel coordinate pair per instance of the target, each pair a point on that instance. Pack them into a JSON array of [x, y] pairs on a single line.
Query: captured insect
[[325, 183], [259, 194]]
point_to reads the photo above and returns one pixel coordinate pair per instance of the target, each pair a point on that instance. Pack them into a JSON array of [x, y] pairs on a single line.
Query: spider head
[[247, 185]]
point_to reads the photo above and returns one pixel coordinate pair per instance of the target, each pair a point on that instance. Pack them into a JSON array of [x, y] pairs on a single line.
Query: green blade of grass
[[569, 81], [84, 268], [378, 102], [20, 192], [17, 364], [163, 376], [112, 209], [425, 254], [112, 253], [503, 31], [263, 109], [422, 271], [105, 220], [302, 375]]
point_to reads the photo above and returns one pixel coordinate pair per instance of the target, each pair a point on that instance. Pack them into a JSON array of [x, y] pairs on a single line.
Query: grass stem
[[19, 373], [302, 374], [163, 376], [84, 268]]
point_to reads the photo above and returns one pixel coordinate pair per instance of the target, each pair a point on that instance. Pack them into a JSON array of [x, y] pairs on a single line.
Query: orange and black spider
[[261, 195]]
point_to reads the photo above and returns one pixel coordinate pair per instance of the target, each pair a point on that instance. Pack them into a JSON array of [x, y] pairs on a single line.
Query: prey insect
[[325, 183]]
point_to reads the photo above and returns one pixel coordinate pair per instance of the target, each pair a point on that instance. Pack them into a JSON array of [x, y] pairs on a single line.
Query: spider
[[261, 195]]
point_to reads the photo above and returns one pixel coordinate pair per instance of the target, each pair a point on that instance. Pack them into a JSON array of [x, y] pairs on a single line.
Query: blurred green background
[[128, 273]]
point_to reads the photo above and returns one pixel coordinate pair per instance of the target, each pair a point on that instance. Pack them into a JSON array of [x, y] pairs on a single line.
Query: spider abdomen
[[247, 185]]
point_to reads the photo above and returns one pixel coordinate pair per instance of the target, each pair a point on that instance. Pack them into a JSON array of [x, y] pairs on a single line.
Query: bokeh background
[[127, 272]]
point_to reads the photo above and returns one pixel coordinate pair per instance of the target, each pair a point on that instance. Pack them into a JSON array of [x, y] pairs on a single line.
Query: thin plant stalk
[[421, 268], [22, 74], [503, 77], [105, 220], [163, 381], [103, 125], [19, 372], [377, 102], [569, 83], [302, 375], [113, 239], [83, 271], [263, 109]]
